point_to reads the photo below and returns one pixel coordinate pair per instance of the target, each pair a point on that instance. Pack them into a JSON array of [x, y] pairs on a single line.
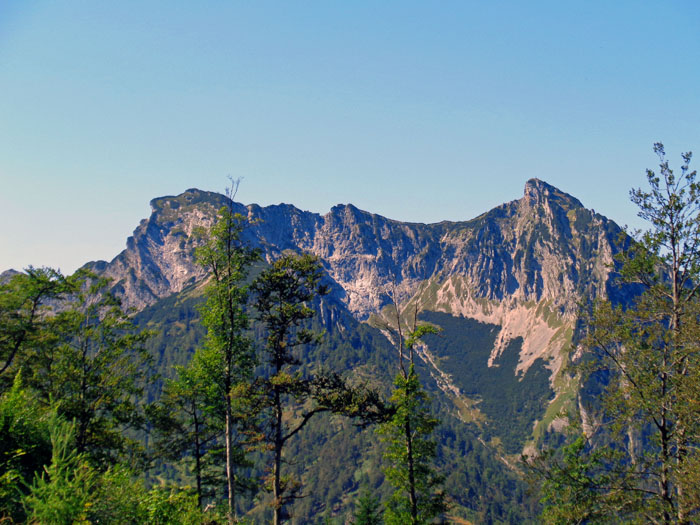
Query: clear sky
[[419, 111]]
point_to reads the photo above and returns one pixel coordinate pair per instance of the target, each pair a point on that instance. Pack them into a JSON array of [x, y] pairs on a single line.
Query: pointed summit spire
[[538, 191]]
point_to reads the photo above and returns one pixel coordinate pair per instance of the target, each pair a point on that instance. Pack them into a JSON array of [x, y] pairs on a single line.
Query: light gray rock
[[544, 246]]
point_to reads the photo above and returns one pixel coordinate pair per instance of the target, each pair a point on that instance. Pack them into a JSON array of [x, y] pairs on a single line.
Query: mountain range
[[504, 287]]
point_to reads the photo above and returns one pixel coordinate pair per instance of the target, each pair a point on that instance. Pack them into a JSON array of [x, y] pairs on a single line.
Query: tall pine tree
[[417, 497], [228, 354]]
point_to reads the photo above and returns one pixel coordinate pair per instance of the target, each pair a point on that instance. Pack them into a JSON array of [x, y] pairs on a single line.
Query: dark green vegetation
[[172, 321], [512, 402]]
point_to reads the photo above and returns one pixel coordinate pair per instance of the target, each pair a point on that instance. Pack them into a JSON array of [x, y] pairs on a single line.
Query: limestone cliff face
[[545, 246], [159, 256]]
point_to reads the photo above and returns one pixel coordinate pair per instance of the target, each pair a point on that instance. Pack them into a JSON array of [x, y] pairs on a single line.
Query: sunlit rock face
[[544, 247], [159, 256]]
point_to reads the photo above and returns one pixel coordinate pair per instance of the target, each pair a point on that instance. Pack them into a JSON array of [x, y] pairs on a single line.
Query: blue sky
[[419, 111]]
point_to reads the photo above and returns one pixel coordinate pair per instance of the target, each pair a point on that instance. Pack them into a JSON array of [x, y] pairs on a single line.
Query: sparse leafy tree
[[639, 453]]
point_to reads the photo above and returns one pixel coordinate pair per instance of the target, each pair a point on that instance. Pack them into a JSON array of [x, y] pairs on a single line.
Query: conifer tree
[[368, 510], [283, 294], [60, 494], [228, 355], [417, 497]]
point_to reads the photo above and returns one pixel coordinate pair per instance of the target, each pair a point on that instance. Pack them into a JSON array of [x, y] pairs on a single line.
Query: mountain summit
[[529, 249]]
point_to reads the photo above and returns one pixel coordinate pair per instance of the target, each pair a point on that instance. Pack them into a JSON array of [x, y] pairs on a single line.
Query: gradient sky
[[419, 111]]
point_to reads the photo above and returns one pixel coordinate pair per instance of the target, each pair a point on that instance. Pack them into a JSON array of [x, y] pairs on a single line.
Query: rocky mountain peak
[[165, 208], [541, 247], [7, 275], [539, 192]]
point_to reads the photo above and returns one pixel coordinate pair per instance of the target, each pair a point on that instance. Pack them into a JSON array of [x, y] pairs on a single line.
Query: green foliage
[[576, 487], [69, 490], [61, 494], [410, 453], [119, 497], [282, 296], [228, 261], [165, 505], [23, 313], [25, 446], [367, 509]]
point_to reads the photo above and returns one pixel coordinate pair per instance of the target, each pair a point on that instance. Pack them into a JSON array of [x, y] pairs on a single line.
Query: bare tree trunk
[[229, 464], [411, 474], [277, 486], [399, 331], [197, 457]]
